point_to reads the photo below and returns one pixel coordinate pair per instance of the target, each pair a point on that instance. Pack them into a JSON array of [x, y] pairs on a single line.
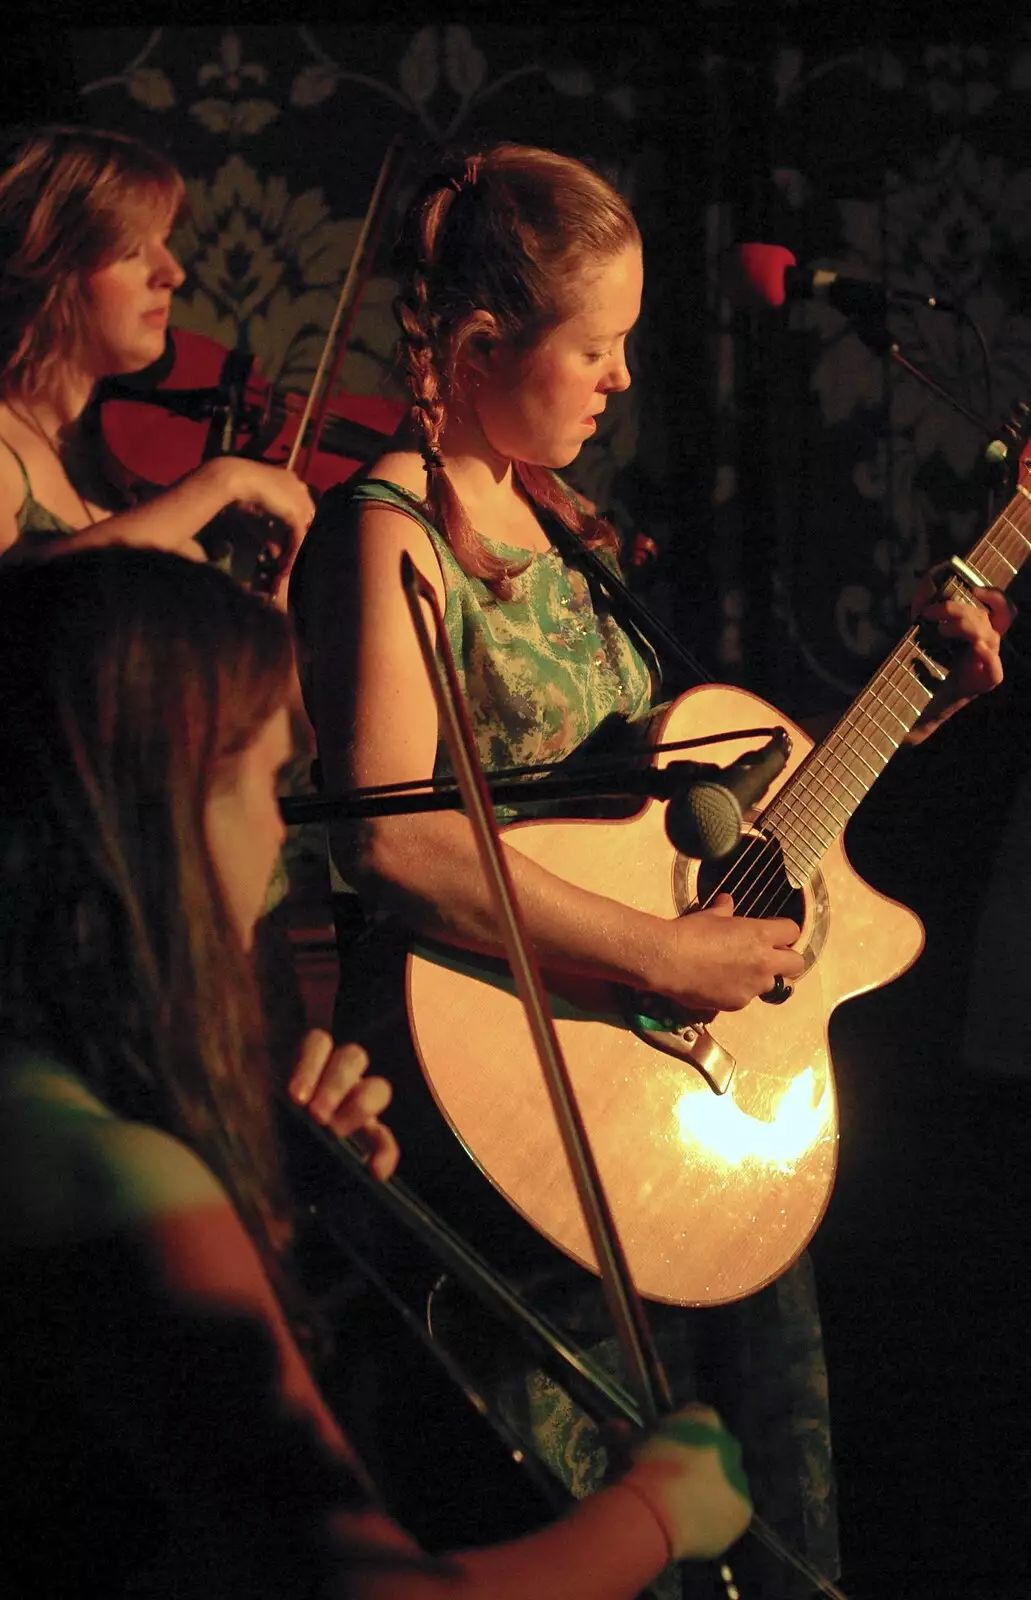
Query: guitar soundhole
[[754, 874]]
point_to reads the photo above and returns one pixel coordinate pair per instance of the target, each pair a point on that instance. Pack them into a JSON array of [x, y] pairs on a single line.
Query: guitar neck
[[813, 807]]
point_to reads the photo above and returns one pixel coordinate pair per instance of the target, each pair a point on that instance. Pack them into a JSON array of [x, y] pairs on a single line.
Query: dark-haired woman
[[86, 283], [521, 282], [163, 1436]]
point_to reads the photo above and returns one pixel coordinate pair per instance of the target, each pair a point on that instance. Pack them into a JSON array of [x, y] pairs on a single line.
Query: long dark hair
[[494, 245], [71, 201], [128, 676]]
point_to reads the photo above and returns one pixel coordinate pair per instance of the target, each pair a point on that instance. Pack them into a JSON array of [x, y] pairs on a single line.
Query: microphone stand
[[601, 780], [877, 337]]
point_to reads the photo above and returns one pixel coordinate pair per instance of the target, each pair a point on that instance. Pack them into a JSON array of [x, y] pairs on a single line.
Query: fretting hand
[[976, 627], [329, 1081]]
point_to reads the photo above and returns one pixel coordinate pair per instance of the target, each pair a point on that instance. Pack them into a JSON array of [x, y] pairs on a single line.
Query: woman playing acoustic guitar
[[521, 282], [86, 283]]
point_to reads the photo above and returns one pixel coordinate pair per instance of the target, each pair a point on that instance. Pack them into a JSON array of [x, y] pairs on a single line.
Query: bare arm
[[376, 718], [179, 513], [173, 518], [608, 1548]]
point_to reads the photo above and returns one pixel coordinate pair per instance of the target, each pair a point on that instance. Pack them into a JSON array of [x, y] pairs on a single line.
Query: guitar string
[[801, 813], [823, 766], [765, 855], [768, 857], [804, 811], [996, 543]]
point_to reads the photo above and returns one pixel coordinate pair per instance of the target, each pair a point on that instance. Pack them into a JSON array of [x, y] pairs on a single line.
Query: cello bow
[[646, 1375]]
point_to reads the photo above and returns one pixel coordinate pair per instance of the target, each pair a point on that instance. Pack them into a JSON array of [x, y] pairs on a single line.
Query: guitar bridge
[[652, 1020]]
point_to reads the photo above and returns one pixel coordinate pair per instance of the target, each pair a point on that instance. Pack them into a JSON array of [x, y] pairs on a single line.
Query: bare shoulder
[[348, 572], [151, 1172], [349, 543], [385, 534], [12, 483], [401, 468], [72, 1171], [386, 530], [406, 468]]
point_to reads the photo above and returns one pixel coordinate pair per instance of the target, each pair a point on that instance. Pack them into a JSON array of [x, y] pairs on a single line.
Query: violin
[[213, 402], [200, 400]]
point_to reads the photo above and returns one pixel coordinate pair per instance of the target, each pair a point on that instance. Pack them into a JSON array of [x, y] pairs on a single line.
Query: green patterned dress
[[550, 675], [34, 522]]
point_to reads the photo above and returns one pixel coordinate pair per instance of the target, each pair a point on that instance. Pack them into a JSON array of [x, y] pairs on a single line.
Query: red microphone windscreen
[[754, 275]]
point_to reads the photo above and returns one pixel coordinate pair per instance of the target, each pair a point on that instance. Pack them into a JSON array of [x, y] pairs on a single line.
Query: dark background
[[796, 484]]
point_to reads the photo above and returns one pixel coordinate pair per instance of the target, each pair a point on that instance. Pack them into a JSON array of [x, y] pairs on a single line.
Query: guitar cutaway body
[[713, 1194]]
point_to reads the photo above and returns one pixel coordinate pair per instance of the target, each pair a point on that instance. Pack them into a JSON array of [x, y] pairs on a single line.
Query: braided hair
[[494, 246]]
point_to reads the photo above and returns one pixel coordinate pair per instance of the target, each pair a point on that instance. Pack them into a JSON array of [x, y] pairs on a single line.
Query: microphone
[[758, 276], [707, 820]]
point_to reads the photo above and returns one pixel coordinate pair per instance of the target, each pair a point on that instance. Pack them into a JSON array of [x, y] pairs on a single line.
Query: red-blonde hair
[[130, 677], [495, 246], [71, 201]]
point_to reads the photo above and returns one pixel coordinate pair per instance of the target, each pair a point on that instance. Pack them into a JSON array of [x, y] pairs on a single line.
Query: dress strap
[[33, 520], [26, 485], [382, 491]]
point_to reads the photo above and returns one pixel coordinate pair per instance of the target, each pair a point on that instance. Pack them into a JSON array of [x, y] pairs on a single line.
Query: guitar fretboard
[[812, 808]]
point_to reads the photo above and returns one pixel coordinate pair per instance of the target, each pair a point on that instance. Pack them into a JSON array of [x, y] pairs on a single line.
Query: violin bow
[[335, 343], [646, 1375]]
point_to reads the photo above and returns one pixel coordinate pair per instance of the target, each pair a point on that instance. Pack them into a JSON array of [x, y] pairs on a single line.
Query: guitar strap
[[626, 606]]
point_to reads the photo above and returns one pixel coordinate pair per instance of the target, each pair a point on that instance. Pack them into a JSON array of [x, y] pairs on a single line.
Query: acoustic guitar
[[715, 1134]]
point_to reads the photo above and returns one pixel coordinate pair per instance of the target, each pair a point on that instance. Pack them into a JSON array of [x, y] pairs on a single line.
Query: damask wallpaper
[[904, 165], [796, 482], [281, 133]]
